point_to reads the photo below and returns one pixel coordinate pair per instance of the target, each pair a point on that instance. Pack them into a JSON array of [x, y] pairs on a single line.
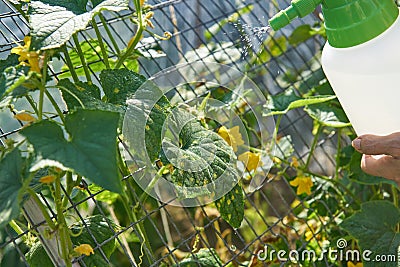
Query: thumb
[[378, 145], [382, 166]]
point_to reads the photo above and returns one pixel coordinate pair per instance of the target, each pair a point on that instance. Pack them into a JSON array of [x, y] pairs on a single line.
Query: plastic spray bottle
[[361, 58]]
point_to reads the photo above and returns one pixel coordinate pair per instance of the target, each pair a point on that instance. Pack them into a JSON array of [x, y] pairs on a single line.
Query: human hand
[[381, 155]]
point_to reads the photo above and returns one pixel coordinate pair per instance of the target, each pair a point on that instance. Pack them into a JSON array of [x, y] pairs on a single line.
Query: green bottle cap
[[348, 22]]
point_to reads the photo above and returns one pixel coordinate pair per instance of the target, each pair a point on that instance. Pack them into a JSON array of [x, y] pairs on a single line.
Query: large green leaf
[[104, 196], [303, 33], [10, 185], [206, 257], [96, 227], [199, 156], [375, 229], [90, 150], [231, 206], [78, 6], [277, 46], [88, 95], [284, 147], [281, 101], [328, 115], [54, 21], [119, 85], [288, 100], [148, 109]]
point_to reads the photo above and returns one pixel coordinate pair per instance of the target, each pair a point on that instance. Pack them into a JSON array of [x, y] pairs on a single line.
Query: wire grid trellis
[[187, 20]]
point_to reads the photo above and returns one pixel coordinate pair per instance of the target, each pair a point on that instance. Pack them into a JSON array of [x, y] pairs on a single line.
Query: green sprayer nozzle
[[347, 22], [298, 8]]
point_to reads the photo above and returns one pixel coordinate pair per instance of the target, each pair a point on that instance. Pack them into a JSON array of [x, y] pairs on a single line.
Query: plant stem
[[55, 105], [42, 208], [41, 97], [65, 239], [167, 230], [16, 228], [339, 137], [313, 145], [276, 130], [71, 66], [20, 11], [101, 43], [42, 88], [395, 196], [82, 58], [133, 213], [70, 186], [139, 226], [115, 45], [136, 38], [152, 183]]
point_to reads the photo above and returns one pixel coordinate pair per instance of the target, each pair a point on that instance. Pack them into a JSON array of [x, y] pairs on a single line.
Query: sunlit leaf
[[205, 257], [303, 33], [328, 115], [54, 21], [284, 147], [104, 196], [288, 100], [148, 107], [231, 206], [198, 155], [277, 46], [84, 95], [119, 85]]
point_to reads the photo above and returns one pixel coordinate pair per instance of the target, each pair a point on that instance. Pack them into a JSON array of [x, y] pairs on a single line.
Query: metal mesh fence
[[175, 232]]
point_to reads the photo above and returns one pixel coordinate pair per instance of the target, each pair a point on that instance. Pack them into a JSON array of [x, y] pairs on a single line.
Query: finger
[[378, 145], [382, 166]]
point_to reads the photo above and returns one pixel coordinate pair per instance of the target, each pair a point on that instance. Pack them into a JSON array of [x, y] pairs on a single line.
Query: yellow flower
[[303, 184], [358, 264], [26, 55], [276, 160], [250, 159], [231, 136], [23, 116], [84, 249], [142, 2], [295, 162], [309, 235], [48, 179]]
